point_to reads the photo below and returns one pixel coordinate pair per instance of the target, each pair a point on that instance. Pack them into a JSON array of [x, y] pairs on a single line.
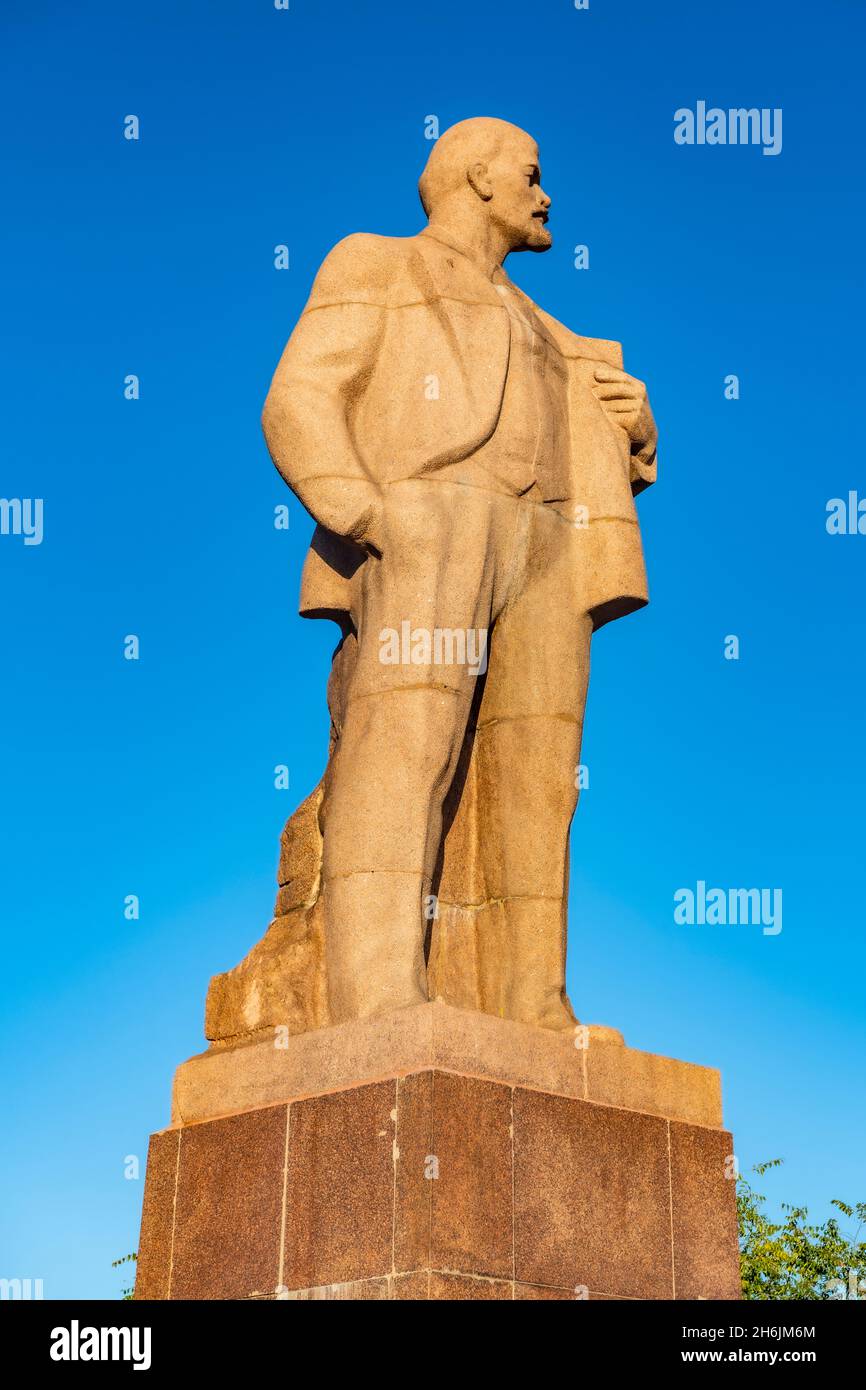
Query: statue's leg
[[405, 715], [528, 750]]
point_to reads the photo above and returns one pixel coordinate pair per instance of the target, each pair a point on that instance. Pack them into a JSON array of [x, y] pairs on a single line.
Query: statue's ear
[[479, 182]]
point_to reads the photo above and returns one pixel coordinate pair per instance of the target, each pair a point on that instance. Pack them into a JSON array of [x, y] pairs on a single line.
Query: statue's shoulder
[[363, 268]]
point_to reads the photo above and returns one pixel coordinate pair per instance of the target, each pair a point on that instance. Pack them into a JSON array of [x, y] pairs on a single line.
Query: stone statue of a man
[[471, 465]]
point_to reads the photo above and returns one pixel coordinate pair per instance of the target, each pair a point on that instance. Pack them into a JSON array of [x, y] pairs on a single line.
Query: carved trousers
[[457, 707]]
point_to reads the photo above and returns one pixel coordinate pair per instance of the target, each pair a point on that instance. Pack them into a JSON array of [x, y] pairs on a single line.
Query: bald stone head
[[486, 171]]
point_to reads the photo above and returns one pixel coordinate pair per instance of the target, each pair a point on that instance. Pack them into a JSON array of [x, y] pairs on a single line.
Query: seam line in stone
[[414, 1069], [365, 873], [409, 304], [496, 902], [174, 1214], [556, 718], [406, 689], [468, 1275], [432, 1151], [671, 1214], [280, 1272], [395, 1159], [513, 1246]]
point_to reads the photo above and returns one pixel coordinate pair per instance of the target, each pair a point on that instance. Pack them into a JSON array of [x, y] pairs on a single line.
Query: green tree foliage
[[793, 1258], [125, 1259]]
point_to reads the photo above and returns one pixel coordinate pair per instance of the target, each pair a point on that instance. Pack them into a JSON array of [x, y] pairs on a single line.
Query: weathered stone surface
[[462, 1288], [359, 1291], [228, 1212], [227, 1079], [414, 1286], [281, 983], [591, 1197], [704, 1198], [646, 1081], [153, 1267], [471, 1225], [340, 1187], [414, 1176]]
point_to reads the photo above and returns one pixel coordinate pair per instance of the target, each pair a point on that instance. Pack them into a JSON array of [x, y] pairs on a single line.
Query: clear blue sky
[[261, 127]]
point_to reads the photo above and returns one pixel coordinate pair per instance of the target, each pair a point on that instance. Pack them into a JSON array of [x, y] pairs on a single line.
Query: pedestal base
[[440, 1180]]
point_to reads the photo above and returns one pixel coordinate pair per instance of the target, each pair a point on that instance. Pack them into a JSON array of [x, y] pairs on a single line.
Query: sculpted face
[[510, 184], [482, 180]]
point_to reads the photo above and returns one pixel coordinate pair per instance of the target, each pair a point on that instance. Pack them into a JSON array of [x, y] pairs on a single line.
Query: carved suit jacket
[[347, 412]]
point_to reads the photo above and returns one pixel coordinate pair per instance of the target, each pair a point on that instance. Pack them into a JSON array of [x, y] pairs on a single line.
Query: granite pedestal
[[437, 1153]]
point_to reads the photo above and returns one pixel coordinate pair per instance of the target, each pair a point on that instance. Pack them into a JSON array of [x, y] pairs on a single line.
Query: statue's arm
[[623, 397], [326, 364], [625, 401]]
